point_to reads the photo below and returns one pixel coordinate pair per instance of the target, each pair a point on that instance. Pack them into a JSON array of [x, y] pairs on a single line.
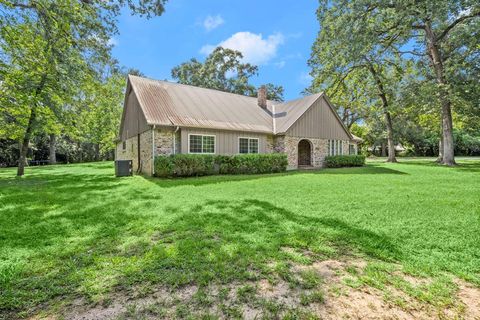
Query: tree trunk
[[440, 146], [386, 113], [384, 150], [53, 158], [29, 130], [448, 157], [25, 142], [97, 151]]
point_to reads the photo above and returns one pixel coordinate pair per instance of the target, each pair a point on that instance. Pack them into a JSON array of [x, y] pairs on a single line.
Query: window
[[124, 145], [351, 149], [247, 145], [335, 147], [201, 143]]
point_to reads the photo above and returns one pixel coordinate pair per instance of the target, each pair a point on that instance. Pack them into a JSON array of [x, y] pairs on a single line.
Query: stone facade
[[319, 149], [164, 145], [167, 142]]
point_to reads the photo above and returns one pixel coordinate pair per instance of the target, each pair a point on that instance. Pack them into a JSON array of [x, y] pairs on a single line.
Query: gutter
[[153, 150], [174, 141]]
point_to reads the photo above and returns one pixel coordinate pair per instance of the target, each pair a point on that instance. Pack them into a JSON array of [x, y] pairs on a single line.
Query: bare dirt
[[274, 299]]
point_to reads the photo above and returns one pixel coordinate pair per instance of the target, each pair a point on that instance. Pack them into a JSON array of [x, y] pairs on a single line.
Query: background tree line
[[403, 72], [397, 71]]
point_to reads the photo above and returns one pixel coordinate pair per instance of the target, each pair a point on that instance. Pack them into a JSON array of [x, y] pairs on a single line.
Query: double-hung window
[[247, 145], [198, 143]]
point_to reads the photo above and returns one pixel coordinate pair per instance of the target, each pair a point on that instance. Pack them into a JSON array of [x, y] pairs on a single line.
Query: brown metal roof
[[173, 104]]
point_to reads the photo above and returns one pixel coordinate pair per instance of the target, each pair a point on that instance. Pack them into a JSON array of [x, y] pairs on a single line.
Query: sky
[[275, 35]]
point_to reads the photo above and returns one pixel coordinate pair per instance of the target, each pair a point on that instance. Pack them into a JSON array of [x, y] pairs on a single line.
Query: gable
[[319, 121], [133, 119]]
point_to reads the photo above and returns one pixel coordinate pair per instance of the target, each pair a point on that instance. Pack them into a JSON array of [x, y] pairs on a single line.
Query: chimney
[[262, 97]]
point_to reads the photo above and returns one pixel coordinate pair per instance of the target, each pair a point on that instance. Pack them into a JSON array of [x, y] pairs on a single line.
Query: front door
[[304, 153]]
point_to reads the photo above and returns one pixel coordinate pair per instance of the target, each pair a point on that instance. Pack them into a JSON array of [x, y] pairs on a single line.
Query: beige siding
[[133, 121], [318, 122], [226, 142]]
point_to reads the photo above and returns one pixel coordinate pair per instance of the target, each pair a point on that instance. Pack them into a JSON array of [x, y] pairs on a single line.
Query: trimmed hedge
[[187, 165], [344, 161]]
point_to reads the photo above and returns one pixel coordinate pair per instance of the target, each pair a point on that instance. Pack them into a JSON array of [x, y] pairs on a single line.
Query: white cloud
[[212, 22], [255, 49]]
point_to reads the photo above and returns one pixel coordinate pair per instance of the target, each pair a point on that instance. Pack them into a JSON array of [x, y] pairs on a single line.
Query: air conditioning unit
[[123, 168]]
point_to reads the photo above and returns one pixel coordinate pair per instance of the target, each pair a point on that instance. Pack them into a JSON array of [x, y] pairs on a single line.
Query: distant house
[[164, 118]]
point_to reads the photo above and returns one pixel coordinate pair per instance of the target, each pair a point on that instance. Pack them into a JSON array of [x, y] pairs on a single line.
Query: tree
[[48, 48], [347, 51], [223, 70], [100, 109], [436, 29]]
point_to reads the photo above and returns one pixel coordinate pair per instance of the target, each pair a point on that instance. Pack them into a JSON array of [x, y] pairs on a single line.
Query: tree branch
[[454, 23]]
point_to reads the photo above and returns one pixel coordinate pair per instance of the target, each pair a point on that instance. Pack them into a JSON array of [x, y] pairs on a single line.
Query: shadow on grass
[[466, 165], [205, 180]]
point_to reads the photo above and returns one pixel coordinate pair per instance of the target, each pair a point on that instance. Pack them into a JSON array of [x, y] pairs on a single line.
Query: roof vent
[[262, 97]]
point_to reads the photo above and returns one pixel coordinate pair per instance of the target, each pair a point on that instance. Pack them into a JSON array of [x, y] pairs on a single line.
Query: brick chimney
[[262, 97]]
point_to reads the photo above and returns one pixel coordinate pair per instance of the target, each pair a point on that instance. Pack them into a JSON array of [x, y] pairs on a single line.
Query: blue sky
[[275, 35]]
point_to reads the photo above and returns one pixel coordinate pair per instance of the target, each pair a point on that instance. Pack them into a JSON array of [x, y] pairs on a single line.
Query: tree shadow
[[206, 180], [463, 164]]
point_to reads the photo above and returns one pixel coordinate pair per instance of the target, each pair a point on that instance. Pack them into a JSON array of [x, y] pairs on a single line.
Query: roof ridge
[[198, 87]]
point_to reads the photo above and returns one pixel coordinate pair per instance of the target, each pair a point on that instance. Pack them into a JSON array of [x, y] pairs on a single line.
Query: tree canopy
[[223, 70], [49, 51]]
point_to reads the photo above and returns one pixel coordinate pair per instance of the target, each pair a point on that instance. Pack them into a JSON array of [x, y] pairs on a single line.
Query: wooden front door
[[304, 153]]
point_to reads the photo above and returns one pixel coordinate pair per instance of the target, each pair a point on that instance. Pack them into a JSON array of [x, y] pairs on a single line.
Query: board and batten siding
[[134, 121], [226, 142], [318, 122]]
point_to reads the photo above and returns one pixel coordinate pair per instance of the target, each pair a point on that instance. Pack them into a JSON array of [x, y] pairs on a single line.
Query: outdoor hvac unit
[[123, 168]]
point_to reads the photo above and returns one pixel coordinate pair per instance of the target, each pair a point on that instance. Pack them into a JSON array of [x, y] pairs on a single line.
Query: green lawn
[[76, 231]]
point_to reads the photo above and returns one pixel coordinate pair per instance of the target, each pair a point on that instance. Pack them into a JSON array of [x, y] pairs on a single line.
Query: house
[[164, 118]]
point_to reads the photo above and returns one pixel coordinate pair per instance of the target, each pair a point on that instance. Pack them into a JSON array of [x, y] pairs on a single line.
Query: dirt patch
[[333, 297], [470, 297]]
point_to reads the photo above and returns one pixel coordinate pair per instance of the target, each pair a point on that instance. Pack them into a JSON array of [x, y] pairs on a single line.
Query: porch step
[[306, 167]]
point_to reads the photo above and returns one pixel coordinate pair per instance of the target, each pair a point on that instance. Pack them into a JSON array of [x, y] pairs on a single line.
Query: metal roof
[[174, 104]]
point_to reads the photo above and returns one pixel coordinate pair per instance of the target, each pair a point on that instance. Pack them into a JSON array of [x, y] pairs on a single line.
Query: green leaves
[[223, 70]]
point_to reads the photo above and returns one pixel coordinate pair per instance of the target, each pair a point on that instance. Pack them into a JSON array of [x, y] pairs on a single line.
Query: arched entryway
[[304, 153]]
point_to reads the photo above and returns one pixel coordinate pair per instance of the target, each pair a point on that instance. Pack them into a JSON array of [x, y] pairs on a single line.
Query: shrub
[[252, 163], [186, 165], [344, 161]]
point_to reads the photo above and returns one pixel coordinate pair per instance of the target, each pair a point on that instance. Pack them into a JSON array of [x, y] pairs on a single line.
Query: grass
[[74, 231]]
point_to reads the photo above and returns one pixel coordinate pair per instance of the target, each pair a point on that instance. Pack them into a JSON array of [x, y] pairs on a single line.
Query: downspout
[[174, 139], [153, 150]]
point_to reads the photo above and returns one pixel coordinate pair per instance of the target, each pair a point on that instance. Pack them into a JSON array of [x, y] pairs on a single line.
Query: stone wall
[[289, 146], [163, 146], [130, 152]]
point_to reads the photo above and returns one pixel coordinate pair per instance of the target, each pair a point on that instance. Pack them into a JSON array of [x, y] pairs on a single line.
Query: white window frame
[[203, 135], [249, 138]]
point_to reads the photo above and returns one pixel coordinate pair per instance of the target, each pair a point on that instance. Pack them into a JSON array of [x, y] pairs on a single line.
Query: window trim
[[203, 135], [124, 145], [249, 138]]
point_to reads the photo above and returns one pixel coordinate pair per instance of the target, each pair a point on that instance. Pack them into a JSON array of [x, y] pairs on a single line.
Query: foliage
[[81, 233], [186, 165], [223, 70], [252, 163], [344, 161], [48, 51]]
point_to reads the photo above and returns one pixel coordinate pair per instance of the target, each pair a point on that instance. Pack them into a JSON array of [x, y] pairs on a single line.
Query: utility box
[[123, 168]]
